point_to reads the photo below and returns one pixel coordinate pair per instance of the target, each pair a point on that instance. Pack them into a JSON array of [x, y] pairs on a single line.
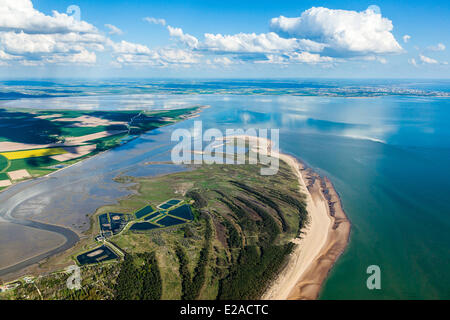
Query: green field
[[26, 126], [3, 163]]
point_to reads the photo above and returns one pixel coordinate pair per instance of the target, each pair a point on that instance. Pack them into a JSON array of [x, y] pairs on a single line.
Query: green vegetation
[[32, 163], [255, 268], [199, 201], [184, 273], [24, 126], [67, 131], [265, 200], [139, 278], [3, 163], [191, 286], [238, 241], [233, 238], [97, 283]]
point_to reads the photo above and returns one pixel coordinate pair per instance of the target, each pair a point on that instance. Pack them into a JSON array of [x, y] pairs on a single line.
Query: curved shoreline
[[303, 276], [309, 246], [71, 238], [323, 241], [310, 283], [312, 258]]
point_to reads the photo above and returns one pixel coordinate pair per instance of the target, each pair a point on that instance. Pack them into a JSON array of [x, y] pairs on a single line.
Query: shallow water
[[388, 158], [68, 197]]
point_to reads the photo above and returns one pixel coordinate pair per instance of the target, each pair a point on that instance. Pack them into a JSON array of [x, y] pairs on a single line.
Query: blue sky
[[239, 39]]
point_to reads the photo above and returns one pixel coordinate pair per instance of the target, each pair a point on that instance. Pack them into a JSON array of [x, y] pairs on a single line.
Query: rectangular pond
[[97, 255], [143, 226], [118, 221], [166, 206], [170, 221], [103, 220], [151, 216], [183, 212], [174, 201], [143, 212]]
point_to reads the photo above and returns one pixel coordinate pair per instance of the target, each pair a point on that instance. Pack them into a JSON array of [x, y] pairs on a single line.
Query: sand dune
[[309, 284], [323, 241], [309, 247]]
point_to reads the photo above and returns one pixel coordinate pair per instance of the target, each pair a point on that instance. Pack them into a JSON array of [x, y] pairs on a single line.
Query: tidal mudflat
[[66, 199]]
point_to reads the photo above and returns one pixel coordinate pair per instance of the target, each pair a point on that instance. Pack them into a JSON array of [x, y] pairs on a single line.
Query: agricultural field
[[37, 142], [226, 235]]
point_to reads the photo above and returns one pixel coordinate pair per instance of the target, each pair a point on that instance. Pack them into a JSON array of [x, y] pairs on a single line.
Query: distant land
[[17, 91]]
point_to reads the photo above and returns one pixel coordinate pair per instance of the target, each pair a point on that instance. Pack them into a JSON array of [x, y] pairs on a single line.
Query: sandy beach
[[322, 241], [310, 281]]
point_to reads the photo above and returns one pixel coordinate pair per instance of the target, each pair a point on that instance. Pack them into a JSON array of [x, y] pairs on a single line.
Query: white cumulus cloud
[[113, 29], [155, 20], [406, 38], [129, 47], [318, 36], [220, 61], [20, 15], [128, 53], [310, 58], [32, 38], [342, 32], [187, 39], [438, 47], [413, 62], [248, 43], [427, 60]]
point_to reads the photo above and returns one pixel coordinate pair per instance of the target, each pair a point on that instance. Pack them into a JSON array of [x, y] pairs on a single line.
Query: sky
[[224, 39]]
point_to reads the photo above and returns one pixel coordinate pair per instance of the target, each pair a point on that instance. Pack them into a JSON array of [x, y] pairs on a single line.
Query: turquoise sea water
[[389, 159]]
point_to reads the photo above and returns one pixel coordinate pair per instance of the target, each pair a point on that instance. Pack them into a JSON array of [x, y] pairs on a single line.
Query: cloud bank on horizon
[[318, 36]]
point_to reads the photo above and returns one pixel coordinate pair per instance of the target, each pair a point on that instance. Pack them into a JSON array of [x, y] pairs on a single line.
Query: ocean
[[385, 145]]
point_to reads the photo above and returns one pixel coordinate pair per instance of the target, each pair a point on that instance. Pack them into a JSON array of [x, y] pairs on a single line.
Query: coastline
[[310, 282], [192, 115], [322, 242], [315, 254], [72, 237], [70, 240]]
